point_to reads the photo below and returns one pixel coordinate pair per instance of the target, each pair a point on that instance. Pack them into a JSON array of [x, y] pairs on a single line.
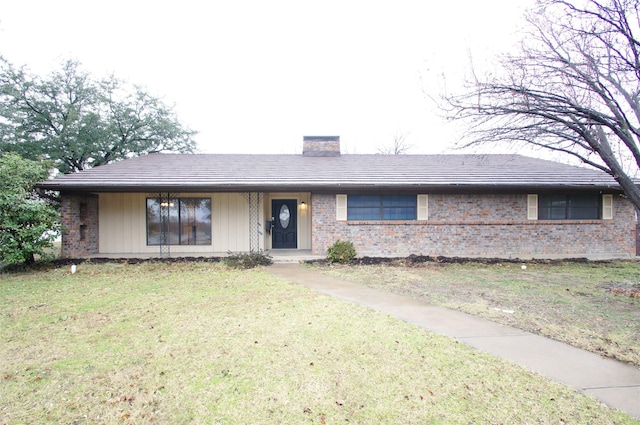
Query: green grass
[[200, 343], [594, 306]]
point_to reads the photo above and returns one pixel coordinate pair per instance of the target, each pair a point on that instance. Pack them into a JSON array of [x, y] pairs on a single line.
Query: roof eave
[[333, 187]]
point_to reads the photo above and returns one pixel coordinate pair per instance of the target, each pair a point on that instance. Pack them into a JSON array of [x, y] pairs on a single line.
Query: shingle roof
[[221, 172]]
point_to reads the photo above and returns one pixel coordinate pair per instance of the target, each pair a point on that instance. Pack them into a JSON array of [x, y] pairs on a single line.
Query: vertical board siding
[[123, 224], [128, 206], [304, 221]]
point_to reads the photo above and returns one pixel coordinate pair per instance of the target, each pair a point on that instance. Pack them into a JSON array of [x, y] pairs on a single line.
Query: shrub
[[248, 260], [28, 223], [341, 252]]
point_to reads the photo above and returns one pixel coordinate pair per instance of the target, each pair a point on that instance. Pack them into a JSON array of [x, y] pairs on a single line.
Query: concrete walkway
[[611, 382]]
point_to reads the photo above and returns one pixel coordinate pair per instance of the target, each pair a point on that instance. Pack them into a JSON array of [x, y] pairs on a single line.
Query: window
[[381, 207], [184, 221], [569, 207]]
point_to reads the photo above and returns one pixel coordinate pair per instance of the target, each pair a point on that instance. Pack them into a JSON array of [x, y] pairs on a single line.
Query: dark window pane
[[584, 207], [179, 222], [364, 214], [359, 201], [173, 238], [195, 221], [399, 213], [569, 207], [203, 224], [153, 222], [399, 200]]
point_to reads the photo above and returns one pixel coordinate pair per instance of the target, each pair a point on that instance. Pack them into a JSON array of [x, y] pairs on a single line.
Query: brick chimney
[[321, 146]]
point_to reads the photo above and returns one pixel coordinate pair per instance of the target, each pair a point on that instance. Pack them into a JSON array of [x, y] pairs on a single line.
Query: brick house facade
[[478, 225], [454, 205]]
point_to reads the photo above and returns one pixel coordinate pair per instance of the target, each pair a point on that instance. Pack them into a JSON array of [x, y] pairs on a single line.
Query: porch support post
[[255, 232], [164, 200]]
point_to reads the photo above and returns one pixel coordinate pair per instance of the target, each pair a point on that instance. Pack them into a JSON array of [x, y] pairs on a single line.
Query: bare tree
[[572, 88], [399, 145]]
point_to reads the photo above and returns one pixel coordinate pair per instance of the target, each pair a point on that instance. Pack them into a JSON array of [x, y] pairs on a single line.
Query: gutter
[[333, 188]]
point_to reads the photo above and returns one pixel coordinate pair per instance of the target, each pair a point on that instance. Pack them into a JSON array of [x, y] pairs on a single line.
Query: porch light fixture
[[303, 206]]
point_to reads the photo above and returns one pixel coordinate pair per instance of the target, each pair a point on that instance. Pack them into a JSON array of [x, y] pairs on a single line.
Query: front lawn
[[199, 343], [590, 305]]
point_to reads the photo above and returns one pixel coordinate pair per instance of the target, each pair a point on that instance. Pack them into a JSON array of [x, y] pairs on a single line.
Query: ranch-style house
[[387, 205]]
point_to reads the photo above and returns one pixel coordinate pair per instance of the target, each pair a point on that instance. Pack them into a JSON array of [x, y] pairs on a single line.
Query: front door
[[284, 229]]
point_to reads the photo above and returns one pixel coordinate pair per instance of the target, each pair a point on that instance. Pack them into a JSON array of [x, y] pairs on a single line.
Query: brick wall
[[478, 225], [321, 146], [79, 217]]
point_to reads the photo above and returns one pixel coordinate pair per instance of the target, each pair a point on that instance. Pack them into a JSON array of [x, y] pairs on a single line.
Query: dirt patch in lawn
[[626, 289]]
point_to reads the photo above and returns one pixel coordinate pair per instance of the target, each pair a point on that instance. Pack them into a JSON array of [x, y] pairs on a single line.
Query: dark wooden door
[[284, 229]]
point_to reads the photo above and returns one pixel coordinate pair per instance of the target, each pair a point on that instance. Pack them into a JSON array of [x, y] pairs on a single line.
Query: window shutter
[[532, 207], [607, 207], [341, 207], [423, 207]]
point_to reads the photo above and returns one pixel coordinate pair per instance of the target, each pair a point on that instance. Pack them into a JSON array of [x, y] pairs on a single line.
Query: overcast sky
[[256, 76]]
